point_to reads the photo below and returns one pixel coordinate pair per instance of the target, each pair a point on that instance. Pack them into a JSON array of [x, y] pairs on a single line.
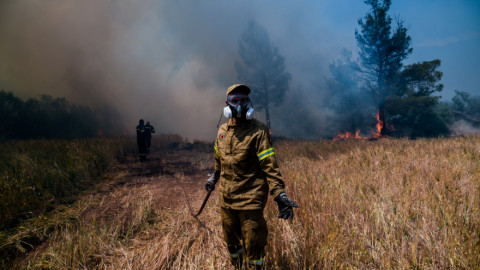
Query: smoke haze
[[463, 128], [168, 62], [165, 61]]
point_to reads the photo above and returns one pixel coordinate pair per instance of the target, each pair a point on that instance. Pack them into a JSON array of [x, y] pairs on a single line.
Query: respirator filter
[[227, 112], [238, 107]]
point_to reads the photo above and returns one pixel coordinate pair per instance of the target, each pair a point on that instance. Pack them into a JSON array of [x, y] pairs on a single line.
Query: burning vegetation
[[375, 134]]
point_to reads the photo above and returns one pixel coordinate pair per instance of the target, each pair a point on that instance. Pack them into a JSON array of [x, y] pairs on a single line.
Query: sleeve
[[153, 129], [217, 161], [268, 164]]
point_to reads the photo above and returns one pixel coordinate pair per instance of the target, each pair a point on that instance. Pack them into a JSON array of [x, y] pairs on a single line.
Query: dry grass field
[[384, 204]]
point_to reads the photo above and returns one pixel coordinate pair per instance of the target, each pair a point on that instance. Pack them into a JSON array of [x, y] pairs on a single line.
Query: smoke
[[168, 62], [461, 127]]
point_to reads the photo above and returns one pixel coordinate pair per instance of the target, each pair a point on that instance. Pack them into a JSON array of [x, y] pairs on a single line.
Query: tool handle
[[204, 203]]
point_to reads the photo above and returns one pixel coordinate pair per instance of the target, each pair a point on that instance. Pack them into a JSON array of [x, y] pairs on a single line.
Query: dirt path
[[163, 175], [130, 181]]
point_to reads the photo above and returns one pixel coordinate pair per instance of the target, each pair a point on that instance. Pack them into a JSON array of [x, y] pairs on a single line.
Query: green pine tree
[[382, 51]]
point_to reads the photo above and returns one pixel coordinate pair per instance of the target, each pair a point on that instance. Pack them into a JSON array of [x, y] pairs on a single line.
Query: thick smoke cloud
[[165, 61]]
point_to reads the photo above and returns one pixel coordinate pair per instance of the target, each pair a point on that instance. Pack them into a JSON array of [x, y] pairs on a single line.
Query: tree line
[[48, 117], [405, 96]]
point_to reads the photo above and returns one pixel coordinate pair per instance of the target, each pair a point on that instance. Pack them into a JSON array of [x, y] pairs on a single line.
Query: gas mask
[[238, 107]]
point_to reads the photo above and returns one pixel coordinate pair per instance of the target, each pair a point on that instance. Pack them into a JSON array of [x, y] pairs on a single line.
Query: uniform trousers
[[245, 232]]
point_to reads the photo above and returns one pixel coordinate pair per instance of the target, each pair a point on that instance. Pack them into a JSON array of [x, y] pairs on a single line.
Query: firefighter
[[247, 169], [149, 129], [141, 140]]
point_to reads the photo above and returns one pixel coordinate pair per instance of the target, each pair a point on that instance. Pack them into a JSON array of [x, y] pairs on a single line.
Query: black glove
[[285, 206], [210, 185]]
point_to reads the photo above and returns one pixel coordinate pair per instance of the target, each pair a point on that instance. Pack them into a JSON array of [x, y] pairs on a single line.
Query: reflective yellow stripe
[[216, 149], [262, 155], [257, 262]]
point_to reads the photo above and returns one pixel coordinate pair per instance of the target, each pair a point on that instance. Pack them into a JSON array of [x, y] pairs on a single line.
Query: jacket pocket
[[245, 163]]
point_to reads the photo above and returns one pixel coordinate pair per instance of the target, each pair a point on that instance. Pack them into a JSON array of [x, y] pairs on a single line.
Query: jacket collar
[[238, 124]]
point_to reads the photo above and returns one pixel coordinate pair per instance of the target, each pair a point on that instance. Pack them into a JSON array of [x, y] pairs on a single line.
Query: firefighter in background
[[149, 129], [247, 169], [141, 140]]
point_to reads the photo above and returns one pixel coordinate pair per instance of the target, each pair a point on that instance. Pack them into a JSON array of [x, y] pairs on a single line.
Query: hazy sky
[[170, 61]]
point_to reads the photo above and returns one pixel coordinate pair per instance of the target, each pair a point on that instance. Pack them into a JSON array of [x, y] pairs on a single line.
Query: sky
[[440, 29], [170, 62]]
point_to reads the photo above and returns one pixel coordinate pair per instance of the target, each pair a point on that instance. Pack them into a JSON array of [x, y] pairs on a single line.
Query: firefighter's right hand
[[212, 180]]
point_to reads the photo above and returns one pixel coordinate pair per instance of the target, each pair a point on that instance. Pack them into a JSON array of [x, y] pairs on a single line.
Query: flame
[[377, 133], [348, 135], [379, 126]]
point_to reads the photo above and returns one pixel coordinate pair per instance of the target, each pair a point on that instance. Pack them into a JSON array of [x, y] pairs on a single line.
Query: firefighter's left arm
[[268, 164]]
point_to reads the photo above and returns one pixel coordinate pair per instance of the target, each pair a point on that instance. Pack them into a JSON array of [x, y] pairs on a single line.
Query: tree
[[411, 106], [421, 79], [262, 68], [382, 51], [346, 99], [49, 117], [10, 115]]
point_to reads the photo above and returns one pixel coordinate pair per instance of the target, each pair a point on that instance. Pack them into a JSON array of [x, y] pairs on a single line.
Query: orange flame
[[377, 133], [379, 126], [348, 135]]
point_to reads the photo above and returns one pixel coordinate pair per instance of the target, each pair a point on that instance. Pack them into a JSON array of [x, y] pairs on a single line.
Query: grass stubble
[[391, 203]]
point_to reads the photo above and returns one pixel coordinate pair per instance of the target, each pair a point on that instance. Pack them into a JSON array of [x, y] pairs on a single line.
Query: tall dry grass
[[392, 203], [385, 204], [36, 176], [35, 173]]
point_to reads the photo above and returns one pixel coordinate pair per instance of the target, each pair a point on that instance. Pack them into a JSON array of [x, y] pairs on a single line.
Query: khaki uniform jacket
[[246, 165]]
